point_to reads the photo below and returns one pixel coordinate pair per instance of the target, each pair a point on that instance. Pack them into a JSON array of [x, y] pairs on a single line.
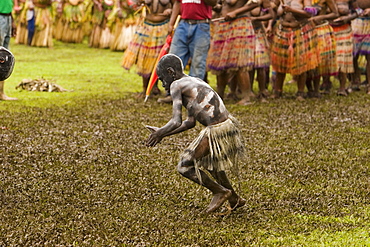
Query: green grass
[[75, 172]]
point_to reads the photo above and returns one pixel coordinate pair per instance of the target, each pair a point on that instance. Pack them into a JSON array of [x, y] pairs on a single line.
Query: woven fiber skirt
[[344, 41], [293, 50], [232, 46], [361, 34], [144, 47]]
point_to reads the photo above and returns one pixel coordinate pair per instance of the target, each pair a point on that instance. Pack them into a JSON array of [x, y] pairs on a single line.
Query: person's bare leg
[[356, 76], [186, 168], [235, 200], [316, 87], [368, 73], [251, 77], [220, 193], [278, 86], [3, 96], [261, 79], [145, 84], [342, 84], [267, 77], [222, 80], [326, 85], [233, 86], [301, 83], [309, 84], [245, 87]]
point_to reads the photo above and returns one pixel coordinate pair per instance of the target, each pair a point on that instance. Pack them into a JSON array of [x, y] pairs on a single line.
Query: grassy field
[[75, 172]]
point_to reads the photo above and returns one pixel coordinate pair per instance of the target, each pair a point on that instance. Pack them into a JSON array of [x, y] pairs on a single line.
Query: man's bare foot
[[239, 202], [217, 200], [244, 101], [231, 96], [4, 97]]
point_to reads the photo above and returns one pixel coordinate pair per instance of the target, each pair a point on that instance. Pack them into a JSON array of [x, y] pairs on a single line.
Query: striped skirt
[[344, 40], [326, 49], [262, 49], [232, 46], [226, 147], [361, 34], [144, 47], [294, 50]]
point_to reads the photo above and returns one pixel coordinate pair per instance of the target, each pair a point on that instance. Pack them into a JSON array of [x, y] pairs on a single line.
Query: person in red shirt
[[191, 39]]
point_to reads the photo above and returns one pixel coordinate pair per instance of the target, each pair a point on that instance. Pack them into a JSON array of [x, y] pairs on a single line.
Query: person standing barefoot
[[232, 48], [293, 47]]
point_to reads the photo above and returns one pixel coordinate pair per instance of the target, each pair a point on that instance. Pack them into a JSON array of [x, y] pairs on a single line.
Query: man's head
[[169, 69], [6, 63]]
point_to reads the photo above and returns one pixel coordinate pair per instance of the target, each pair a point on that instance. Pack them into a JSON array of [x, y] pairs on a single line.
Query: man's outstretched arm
[[173, 124]]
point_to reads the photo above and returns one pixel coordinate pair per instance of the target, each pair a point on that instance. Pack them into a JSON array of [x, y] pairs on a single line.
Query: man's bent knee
[[185, 166]]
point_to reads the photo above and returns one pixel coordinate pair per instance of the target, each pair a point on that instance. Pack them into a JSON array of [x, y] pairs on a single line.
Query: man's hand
[[287, 8], [154, 138], [229, 16], [167, 12], [366, 12], [342, 19], [17, 9], [316, 19]]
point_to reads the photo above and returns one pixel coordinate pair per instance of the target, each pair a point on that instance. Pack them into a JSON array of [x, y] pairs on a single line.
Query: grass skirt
[[294, 50], [225, 145], [262, 49], [361, 33], [232, 46], [43, 36], [326, 49], [344, 41], [144, 48]]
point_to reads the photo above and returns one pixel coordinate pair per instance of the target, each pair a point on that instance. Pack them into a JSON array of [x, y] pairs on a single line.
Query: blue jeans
[[192, 41], [31, 30], [5, 30]]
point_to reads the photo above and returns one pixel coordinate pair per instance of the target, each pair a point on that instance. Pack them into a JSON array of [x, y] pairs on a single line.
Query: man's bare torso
[[290, 19], [363, 4], [200, 100], [157, 9], [231, 5], [343, 6]]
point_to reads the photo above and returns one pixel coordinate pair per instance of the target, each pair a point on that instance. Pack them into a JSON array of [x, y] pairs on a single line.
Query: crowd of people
[[237, 40], [105, 23], [312, 40]]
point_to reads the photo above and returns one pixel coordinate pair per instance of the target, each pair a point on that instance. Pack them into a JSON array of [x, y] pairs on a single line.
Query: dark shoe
[[167, 100]]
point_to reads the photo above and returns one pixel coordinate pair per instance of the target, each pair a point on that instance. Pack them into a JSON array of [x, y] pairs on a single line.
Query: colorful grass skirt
[[293, 50], [232, 46], [145, 46]]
